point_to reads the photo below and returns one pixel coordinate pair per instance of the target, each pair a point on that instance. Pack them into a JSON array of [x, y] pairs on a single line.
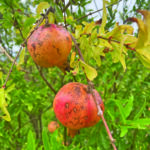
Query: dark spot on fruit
[[77, 90], [53, 46], [81, 123], [67, 38], [33, 45], [67, 105], [58, 51], [82, 107], [40, 43], [74, 109], [86, 117], [71, 122]]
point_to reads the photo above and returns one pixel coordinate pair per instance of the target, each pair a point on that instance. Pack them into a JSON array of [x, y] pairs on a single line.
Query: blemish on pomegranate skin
[[86, 117], [67, 38], [40, 43], [33, 45], [67, 105], [58, 51], [75, 110], [77, 90]]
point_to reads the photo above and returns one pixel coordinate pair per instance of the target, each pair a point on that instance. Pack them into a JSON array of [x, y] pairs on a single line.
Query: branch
[[5, 52], [65, 8], [90, 89], [110, 40], [25, 42], [12, 67], [43, 77], [91, 13]]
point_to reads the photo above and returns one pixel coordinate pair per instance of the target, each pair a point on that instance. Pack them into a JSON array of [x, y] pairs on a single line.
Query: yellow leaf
[[90, 72], [78, 31], [143, 43], [1, 74], [72, 60], [51, 17], [3, 105], [104, 18], [88, 27], [41, 6]]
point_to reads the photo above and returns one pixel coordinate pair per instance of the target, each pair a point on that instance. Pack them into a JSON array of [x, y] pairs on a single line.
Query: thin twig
[[111, 40], [12, 67], [99, 110], [77, 47], [65, 15], [91, 13], [65, 7], [5, 52], [43, 77]]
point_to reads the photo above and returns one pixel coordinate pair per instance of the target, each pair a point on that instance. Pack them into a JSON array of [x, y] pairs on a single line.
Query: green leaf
[[31, 141], [128, 107], [45, 139], [10, 88], [41, 6], [121, 109], [3, 105], [141, 111], [58, 14], [124, 131], [90, 72], [139, 122], [21, 58]]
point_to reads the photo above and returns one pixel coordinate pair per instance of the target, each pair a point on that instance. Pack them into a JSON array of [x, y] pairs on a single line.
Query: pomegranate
[[50, 45], [75, 107], [52, 126]]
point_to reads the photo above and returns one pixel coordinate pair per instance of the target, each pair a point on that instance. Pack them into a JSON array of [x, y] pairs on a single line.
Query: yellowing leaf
[[78, 31], [51, 17], [3, 105], [104, 19], [88, 27], [41, 6], [72, 59], [143, 43], [90, 72], [1, 74]]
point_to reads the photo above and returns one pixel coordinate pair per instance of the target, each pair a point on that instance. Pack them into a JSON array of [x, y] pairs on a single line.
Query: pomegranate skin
[[75, 108], [50, 45]]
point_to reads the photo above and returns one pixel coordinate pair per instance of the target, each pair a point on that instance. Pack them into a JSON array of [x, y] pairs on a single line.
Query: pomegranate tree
[[50, 45], [75, 107]]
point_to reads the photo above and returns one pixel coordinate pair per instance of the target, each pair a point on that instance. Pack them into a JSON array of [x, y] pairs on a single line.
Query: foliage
[[111, 53]]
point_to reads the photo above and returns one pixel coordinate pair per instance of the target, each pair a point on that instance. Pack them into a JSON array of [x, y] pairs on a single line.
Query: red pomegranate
[[50, 45], [52, 126], [75, 108]]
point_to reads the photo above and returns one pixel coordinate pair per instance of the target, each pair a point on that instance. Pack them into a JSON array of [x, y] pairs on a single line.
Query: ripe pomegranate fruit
[[52, 126], [50, 45], [75, 107]]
